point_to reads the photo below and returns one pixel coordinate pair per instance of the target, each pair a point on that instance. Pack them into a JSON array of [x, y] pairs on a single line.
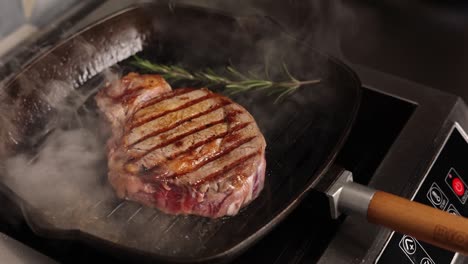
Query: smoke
[[65, 170], [52, 137], [321, 23], [65, 166]]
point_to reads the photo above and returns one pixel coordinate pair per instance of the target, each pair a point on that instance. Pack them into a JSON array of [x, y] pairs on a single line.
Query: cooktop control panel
[[444, 187]]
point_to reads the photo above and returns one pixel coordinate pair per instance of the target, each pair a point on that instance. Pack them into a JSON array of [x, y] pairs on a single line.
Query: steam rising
[[321, 23], [67, 165]]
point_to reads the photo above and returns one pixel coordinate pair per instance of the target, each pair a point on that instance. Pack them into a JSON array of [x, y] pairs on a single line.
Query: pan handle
[[423, 222]]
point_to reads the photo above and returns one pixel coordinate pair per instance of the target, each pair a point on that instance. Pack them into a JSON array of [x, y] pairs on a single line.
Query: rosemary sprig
[[237, 82]]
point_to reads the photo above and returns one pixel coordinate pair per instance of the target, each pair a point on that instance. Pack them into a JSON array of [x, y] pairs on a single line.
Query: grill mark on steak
[[216, 156], [216, 115], [169, 153], [157, 115], [179, 122], [179, 137], [169, 103], [160, 155], [226, 169], [165, 96], [216, 163], [210, 139], [178, 143], [235, 176]]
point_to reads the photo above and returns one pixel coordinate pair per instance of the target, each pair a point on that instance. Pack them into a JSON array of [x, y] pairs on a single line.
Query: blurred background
[[423, 41]]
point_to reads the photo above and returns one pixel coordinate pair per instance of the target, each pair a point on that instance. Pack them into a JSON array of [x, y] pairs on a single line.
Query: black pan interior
[[50, 113]]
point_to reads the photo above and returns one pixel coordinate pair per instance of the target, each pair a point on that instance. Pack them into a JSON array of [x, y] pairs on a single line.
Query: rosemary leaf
[[237, 83]]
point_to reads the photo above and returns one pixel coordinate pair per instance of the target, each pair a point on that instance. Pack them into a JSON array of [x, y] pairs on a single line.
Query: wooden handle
[[423, 222]]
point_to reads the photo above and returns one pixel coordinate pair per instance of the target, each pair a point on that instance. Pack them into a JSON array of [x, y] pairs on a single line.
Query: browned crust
[[153, 172]]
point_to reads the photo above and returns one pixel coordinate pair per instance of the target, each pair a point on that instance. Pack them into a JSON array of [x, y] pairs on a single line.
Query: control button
[[408, 245], [427, 260], [457, 185], [437, 198], [451, 209], [414, 251]]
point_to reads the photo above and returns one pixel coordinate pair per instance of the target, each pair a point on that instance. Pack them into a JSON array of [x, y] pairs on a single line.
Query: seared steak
[[183, 151]]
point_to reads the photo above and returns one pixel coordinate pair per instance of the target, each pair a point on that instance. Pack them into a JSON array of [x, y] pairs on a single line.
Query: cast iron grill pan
[[303, 132]]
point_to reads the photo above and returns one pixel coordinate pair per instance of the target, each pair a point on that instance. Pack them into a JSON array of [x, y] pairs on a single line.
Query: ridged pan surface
[[53, 136]]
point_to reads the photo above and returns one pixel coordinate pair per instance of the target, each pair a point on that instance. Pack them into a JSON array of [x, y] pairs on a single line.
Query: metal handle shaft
[[348, 197]]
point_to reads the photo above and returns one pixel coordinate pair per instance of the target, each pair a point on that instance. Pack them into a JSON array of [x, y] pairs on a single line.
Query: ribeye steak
[[183, 151]]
